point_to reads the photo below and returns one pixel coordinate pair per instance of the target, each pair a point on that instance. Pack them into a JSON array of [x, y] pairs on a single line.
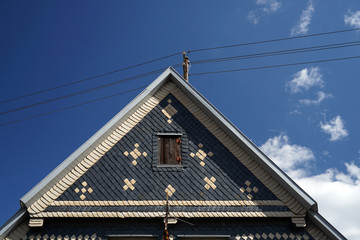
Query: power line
[[282, 52], [274, 40], [322, 47], [73, 106], [214, 72], [82, 92], [275, 66], [89, 78], [174, 54], [171, 55]]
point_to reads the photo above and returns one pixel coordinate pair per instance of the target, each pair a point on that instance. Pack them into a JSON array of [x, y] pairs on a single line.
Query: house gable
[[215, 180], [223, 175]]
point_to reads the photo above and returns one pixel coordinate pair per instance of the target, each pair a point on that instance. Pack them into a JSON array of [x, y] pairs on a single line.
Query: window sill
[[169, 166]]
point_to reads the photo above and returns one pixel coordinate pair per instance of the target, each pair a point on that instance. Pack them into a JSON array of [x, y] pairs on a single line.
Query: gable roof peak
[[170, 74], [177, 81], [59, 172]]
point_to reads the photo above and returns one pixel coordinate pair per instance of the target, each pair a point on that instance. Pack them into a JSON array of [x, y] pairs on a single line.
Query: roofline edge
[[277, 173], [10, 224], [153, 86], [307, 201], [325, 226]]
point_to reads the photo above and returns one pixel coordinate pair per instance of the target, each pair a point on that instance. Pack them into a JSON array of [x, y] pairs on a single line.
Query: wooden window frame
[[169, 149], [184, 149]]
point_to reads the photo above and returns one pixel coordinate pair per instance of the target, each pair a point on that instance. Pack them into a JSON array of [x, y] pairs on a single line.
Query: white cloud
[[321, 96], [335, 128], [287, 156], [253, 17], [295, 112], [352, 19], [302, 27], [264, 7], [336, 192], [269, 5], [305, 79], [326, 153], [354, 172]]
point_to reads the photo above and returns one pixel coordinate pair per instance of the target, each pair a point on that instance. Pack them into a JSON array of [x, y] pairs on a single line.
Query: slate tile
[[114, 167]]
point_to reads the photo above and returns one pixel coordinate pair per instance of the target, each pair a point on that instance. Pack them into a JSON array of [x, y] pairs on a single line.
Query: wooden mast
[[186, 63], [165, 232]]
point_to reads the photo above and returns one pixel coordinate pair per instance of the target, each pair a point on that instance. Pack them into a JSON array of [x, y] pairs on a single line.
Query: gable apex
[[215, 115]]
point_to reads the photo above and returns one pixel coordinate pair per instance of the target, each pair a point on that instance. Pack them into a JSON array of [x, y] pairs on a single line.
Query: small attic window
[[169, 149]]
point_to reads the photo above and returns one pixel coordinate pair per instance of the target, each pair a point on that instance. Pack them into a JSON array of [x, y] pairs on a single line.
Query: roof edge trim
[[268, 164], [10, 224], [325, 226], [208, 108], [28, 198]]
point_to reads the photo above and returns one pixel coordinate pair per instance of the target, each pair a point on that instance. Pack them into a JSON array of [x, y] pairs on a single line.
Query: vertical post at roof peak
[[186, 63]]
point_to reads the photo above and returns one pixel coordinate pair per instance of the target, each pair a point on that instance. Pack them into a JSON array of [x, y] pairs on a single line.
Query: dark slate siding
[[102, 228], [106, 177]]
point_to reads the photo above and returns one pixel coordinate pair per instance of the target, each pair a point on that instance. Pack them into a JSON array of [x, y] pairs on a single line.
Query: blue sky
[[304, 117]]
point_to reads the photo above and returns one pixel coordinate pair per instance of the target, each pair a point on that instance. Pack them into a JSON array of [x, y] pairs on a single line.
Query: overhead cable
[[87, 79], [82, 92], [203, 73], [275, 66], [282, 52], [174, 54], [73, 106], [274, 40]]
